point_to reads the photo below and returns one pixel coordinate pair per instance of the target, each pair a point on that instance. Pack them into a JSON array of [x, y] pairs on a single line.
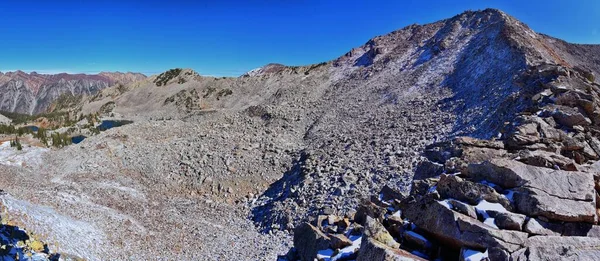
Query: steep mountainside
[[32, 93], [280, 144]]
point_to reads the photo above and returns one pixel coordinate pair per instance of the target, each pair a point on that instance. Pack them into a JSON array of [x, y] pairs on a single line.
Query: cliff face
[[32, 93]]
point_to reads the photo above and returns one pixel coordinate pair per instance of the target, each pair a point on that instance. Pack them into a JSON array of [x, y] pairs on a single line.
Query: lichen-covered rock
[[369, 209], [378, 245], [451, 186], [373, 250], [374, 229], [508, 220]]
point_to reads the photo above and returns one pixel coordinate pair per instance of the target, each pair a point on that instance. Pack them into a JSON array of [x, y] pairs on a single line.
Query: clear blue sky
[[227, 38]]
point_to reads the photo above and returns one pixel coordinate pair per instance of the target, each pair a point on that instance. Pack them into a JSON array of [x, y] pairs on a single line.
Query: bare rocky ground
[[228, 168]]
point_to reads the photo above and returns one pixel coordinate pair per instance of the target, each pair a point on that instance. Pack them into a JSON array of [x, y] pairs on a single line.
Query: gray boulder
[[457, 230], [373, 250], [378, 245], [308, 240], [524, 134], [546, 159], [570, 117], [463, 208], [508, 220], [555, 194], [427, 169], [539, 227], [377, 231], [454, 187], [559, 248]]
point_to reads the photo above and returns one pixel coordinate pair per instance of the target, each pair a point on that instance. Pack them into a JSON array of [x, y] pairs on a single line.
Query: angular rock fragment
[[372, 250], [538, 227], [378, 245], [570, 117], [339, 241], [369, 209], [308, 240], [546, 159], [508, 220], [427, 169], [472, 193], [462, 208]]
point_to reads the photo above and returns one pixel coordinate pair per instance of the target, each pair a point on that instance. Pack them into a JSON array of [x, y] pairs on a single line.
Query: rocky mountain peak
[[267, 69], [33, 92]]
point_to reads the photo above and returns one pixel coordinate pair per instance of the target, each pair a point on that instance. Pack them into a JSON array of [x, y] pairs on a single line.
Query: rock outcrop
[[32, 93], [529, 194]]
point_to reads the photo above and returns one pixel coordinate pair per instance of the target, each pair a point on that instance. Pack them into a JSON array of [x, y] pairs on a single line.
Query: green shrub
[[209, 91], [223, 93], [165, 77]]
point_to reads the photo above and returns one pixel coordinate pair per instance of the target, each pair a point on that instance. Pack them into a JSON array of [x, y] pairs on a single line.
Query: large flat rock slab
[[559, 248], [555, 194], [458, 230]]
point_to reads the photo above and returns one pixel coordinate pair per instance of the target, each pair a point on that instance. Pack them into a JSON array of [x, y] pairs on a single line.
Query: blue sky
[[228, 38]]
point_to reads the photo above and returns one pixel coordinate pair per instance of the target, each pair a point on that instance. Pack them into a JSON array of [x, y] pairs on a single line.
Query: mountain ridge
[[32, 93]]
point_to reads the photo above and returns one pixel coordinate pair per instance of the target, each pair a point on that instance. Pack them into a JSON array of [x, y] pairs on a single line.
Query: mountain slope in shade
[[33, 93]]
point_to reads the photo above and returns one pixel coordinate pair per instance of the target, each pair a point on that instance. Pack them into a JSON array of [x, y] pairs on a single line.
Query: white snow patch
[[485, 182], [74, 236], [484, 205], [446, 204], [28, 156], [325, 254], [482, 209], [473, 255], [490, 222], [397, 214]]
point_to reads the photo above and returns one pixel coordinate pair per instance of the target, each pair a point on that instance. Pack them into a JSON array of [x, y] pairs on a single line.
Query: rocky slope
[[531, 194], [207, 159], [32, 93]]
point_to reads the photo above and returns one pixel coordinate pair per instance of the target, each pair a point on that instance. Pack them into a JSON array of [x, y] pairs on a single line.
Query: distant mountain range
[[32, 93]]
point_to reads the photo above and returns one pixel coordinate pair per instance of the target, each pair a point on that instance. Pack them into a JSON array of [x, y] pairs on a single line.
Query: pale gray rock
[[555, 194], [457, 230], [559, 248]]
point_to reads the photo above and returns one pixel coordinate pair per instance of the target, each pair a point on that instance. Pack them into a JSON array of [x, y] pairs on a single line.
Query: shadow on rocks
[[269, 211]]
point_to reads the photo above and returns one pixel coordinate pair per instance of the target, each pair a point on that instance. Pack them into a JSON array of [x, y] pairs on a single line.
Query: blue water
[[105, 125], [32, 128], [77, 139]]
